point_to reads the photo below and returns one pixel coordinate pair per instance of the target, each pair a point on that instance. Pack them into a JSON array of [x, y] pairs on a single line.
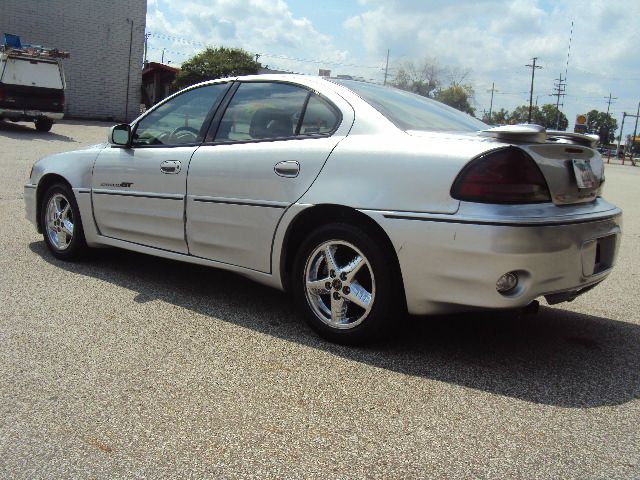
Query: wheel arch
[[45, 182], [318, 215]]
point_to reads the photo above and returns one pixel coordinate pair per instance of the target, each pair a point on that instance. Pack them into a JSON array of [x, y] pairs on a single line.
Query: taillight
[[507, 175]]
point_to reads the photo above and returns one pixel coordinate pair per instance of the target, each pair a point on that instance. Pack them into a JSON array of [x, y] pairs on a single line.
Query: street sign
[[581, 124]]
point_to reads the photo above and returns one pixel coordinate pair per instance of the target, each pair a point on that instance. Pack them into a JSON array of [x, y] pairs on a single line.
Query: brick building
[[106, 43]]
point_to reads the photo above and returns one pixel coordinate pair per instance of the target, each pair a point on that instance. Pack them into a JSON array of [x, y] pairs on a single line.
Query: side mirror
[[120, 135]]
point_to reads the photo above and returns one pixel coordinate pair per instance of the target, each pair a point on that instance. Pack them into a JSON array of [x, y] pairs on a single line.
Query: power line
[[263, 54]]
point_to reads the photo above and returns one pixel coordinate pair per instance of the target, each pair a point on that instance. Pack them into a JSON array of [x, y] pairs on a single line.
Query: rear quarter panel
[[396, 172]]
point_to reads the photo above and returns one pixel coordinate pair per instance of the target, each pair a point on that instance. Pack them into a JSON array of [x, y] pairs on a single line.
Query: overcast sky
[[493, 39]]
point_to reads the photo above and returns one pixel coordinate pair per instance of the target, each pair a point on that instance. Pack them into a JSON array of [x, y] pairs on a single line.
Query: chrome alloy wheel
[[59, 221], [339, 284]]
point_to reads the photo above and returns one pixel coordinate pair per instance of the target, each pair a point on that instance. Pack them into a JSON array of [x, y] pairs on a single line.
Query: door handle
[[170, 166], [288, 168]]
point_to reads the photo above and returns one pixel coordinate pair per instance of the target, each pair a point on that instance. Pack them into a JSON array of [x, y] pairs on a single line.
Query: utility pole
[[386, 68], [162, 58], [559, 91], [126, 102], [633, 139], [146, 46], [624, 115], [609, 101], [257, 57], [493, 88], [533, 73]]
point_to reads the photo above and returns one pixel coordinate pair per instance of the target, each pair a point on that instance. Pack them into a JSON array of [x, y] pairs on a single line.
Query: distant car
[[359, 199]]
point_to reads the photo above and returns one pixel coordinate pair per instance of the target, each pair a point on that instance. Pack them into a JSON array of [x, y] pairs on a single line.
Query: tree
[[457, 96], [549, 118], [216, 63], [521, 114], [602, 124], [546, 116], [422, 79], [500, 117]]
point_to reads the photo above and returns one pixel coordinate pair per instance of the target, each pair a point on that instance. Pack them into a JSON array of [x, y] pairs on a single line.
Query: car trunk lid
[[574, 171]]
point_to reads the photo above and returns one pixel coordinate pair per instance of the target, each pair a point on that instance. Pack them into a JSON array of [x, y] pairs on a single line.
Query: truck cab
[[32, 83]]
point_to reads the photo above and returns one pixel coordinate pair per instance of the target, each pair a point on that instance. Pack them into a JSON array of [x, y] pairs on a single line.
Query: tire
[[43, 124], [357, 308], [61, 223]]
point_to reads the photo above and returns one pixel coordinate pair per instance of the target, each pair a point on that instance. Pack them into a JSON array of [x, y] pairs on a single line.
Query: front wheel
[[344, 285], [61, 223]]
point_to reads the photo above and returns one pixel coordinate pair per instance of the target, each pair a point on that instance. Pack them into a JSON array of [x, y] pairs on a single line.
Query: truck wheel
[[43, 124]]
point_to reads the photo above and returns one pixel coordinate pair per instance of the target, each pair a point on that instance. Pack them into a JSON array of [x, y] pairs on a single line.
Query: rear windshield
[[31, 73], [409, 111]]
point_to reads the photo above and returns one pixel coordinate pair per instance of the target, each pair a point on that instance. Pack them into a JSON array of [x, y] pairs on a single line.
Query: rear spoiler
[[538, 134]]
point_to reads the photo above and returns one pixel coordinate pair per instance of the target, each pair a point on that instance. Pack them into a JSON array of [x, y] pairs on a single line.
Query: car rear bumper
[[452, 264], [28, 115]]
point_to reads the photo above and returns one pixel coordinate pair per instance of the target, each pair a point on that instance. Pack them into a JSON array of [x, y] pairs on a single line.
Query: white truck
[[32, 83]]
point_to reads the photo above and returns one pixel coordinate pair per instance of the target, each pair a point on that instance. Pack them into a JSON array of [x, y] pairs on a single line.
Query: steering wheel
[[184, 135]]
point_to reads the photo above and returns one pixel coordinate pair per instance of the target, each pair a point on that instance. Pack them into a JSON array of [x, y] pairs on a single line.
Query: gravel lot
[[128, 366]]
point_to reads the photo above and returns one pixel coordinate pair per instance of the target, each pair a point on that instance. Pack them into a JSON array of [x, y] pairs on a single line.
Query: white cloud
[[495, 39], [259, 26]]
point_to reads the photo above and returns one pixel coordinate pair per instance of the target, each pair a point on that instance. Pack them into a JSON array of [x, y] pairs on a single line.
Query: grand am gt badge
[[122, 184]]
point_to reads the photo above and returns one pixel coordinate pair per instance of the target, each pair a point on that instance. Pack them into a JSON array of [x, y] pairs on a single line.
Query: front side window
[[262, 110], [181, 120]]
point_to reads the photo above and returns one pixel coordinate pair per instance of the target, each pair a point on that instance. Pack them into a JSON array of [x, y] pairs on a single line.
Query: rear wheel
[[61, 223], [343, 284], [43, 124]]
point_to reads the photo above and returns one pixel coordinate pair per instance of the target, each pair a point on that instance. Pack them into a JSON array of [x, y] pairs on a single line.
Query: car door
[[269, 145], [138, 193]]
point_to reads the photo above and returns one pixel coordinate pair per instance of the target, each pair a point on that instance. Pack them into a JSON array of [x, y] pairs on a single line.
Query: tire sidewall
[[377, 321], [78, 244]]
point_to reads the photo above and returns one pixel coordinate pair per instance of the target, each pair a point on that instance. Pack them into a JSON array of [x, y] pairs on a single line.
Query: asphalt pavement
[[129, 366]]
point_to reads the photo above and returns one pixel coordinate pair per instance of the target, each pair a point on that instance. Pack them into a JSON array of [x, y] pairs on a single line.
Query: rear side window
[[319, 117], [271, 110], [180, 120], [262, 111]]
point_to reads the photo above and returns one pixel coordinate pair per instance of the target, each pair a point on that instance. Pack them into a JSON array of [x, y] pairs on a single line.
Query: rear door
[[269, 146], [139, 192]]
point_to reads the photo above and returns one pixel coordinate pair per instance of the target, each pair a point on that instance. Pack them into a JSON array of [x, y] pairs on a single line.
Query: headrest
[[271, 123]]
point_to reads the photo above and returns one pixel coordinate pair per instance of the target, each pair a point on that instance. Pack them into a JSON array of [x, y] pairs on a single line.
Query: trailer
[[32, 83]]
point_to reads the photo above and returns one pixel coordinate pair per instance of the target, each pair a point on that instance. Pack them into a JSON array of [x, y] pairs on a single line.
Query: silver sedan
[[362, 201]]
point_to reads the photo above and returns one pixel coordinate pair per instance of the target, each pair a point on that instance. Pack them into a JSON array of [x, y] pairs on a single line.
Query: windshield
[[409, 111]]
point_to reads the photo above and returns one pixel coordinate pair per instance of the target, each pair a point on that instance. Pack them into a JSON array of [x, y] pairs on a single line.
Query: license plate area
[[585, 178], [598, 254]]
